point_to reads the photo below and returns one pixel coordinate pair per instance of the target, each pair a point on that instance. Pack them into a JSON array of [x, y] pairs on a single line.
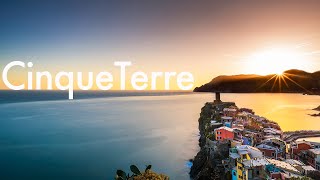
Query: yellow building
[[250, 163]]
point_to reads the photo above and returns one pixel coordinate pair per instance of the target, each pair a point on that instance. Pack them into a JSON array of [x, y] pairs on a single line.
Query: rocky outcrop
[[316, 114], [207, 164], [200, 161], [317, 108]]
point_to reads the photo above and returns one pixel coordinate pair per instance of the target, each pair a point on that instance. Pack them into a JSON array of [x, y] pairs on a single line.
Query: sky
[[206, 38]]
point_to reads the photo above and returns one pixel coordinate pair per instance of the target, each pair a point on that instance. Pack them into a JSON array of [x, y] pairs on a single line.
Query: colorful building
[[231, 112], [313, 158], [225, 119], [278, 143], [223, 133], [298, 146], [250, 162], [286, 167], [271, 151]]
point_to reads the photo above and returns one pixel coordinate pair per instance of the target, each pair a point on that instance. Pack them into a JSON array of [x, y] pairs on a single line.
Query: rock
[[315, 115], [206, 166], [317, 108], [199, 163]]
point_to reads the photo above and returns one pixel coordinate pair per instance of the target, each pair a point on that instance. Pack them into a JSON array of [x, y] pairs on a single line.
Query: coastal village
[[238, 144]]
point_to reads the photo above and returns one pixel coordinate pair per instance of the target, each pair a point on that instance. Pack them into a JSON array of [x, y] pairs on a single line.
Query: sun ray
[[274, 83], [266, 82], [279, 80], [295, 75], [284, 80], [296, 83]]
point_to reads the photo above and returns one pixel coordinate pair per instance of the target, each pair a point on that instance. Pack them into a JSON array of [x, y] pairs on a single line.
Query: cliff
[[207, 163]]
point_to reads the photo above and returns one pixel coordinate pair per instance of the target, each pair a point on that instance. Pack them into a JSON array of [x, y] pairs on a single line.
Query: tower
[[217, 100], [218, 96]]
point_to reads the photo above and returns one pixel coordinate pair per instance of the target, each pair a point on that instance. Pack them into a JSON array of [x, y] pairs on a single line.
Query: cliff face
[[201, 168], [207, 163], [292, 81]]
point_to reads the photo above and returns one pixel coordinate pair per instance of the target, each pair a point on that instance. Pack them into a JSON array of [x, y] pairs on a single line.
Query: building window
[[272, 154], [263, 153]]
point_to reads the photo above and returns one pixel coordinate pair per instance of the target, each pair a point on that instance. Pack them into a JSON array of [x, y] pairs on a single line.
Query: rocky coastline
[[208, 163], [316, 114], [201, 168]]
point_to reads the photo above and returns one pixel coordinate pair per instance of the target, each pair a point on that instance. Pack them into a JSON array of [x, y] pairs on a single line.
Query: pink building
[[223, 133]]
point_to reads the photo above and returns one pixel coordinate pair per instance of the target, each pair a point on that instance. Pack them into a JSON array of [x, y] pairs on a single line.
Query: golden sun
[[275, 61]]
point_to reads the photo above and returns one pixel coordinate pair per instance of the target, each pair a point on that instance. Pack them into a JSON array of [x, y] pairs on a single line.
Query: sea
[[43, 135]]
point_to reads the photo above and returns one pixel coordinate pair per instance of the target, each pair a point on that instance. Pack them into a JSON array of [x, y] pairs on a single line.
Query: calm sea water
[[91, 138]]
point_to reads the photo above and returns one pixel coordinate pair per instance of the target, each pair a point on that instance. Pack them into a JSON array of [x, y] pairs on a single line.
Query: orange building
[[223, 133], [297, 147]]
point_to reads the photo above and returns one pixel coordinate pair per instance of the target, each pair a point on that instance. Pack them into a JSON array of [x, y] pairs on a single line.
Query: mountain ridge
[[291, 81]]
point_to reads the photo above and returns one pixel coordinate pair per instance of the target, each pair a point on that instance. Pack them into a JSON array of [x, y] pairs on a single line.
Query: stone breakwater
[[294, 135]]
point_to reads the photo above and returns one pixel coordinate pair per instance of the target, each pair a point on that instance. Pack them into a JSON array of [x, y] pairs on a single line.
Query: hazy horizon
[[205, 38]]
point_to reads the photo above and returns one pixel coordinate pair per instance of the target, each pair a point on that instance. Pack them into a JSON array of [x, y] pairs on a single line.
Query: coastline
[[205, 167], [208, 163]]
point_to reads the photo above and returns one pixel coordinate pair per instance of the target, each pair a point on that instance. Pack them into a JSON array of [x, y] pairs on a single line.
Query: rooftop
[[303, 142], [226, 117], [294, 162], [315, 151], [234, 155], [252, 151], [272, 130], [256, 162], [213, 122], [308, 168], [265, 146], [229, 109], [283, 165], [224, 128]]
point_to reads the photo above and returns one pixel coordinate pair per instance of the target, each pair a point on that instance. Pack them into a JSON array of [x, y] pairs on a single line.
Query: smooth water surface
[[91, 138]]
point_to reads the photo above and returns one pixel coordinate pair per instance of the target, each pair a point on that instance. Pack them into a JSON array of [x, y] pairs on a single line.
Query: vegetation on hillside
[[148, 174]]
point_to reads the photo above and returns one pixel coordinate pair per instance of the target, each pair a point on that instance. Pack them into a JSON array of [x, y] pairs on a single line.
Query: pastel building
[[223, 133], [313, 158], [298, 146], [278, 143], [231, 112], [227, 121], [271, 151], [288, 169], [272, 132], [248, 161]]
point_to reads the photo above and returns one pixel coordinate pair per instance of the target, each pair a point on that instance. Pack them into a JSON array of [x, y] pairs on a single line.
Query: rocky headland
[[291, 81], [212, 162]]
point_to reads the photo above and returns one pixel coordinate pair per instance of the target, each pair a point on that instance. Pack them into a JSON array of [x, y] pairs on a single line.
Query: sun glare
[[275, 61]]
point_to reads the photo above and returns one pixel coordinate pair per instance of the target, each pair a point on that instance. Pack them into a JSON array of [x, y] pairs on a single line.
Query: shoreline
[[207, 164]]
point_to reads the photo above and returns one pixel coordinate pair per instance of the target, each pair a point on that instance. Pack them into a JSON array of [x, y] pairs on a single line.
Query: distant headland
[[291, 81]]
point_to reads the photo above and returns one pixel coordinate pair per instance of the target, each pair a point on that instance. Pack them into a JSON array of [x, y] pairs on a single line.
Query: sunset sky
[[205, 38]]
